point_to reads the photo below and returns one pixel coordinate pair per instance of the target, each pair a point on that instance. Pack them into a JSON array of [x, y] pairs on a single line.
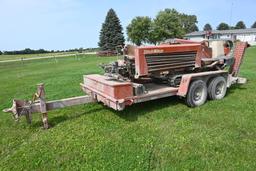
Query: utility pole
[[231, 13]]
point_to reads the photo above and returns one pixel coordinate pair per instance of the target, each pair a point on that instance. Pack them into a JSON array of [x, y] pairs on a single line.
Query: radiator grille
[[170, 61]]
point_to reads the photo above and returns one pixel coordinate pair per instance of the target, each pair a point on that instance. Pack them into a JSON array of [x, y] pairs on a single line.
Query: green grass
[[15, 57], [158, 135]]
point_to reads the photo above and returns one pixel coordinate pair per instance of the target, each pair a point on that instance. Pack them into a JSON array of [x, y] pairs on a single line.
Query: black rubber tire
[[217, 88], [192, 98]]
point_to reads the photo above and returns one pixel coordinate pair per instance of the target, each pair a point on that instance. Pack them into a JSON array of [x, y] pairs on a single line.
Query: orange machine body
[[141, 65]]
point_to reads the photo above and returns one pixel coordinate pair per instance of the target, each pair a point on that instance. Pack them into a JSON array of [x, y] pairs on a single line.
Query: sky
[[65, 24]]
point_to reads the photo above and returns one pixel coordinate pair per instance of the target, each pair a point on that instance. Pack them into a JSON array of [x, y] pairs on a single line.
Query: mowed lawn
[[25, 56], [158, 135]]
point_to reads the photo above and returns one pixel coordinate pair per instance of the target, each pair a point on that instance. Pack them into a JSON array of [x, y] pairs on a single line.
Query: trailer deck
[[119, 94]]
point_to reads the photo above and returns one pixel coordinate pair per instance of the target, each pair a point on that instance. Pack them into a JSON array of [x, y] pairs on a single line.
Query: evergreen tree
[[254, 25], [111, 34], [1, 52], [207, 27], [240, 25]]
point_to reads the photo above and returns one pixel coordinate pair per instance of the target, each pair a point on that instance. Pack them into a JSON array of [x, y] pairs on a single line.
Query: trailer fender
[[184, 85], [187, 78]]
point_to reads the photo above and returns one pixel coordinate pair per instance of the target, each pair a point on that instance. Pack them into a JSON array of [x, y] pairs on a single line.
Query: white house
[[245, 35]]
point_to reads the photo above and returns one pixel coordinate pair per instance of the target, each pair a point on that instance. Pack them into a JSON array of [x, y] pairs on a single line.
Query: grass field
[[25, 56], [157, 135]]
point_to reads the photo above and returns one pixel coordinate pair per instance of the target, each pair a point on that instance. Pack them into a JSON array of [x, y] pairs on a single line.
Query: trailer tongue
[[193, 70]]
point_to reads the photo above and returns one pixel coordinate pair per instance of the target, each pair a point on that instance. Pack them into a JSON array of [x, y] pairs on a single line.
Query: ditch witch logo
[[153, 51]]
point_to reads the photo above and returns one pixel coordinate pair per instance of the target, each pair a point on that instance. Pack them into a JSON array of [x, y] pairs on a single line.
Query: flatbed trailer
[[99, 87], [194, 87]]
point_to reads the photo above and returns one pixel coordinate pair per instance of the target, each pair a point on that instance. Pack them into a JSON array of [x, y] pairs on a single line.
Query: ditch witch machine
[[192, 70]]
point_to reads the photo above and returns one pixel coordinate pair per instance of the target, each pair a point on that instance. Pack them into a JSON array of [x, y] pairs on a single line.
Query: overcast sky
[[65, 24]]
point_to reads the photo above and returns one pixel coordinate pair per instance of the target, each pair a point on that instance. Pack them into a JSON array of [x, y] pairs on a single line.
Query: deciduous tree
[[138, 30], [207, 27], [167, 24], [240, 25], [223, 26], [188, 23]]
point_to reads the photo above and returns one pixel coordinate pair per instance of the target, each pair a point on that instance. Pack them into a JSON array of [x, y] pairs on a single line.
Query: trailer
[[195, 71]]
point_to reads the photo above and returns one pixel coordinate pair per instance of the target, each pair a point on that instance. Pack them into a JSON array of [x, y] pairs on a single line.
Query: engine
[[121, 69]]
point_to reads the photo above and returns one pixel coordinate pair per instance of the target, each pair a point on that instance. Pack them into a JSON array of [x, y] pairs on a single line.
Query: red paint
[[114, 89], [141, 67], [240, 48]]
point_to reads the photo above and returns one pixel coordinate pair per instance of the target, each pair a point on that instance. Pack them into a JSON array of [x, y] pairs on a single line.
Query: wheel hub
[[198, 93], [219, 88]]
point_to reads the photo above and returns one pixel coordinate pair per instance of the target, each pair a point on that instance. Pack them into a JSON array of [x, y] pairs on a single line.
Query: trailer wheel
[[197, 93], [217, 88]]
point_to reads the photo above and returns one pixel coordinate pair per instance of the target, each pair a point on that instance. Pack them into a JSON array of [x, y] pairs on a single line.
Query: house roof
[[236, 31]]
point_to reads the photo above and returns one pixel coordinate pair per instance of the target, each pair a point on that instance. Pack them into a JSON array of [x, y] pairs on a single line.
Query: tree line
[[41, 51], [25, 51], [225, 26], [167, 24]]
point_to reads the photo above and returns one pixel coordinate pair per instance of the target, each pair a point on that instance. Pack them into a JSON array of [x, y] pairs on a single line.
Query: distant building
[[245, 35]]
